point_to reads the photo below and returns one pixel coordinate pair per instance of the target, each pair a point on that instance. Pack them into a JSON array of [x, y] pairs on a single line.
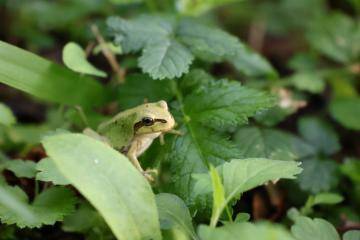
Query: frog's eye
[[147, 121]]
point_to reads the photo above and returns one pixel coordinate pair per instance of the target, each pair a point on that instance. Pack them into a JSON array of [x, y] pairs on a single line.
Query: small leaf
[[48, 172], [130, 209], [48, 207], [245, 231], [74, 57], [317, 229], [173, 213], [351, 168], [346, 111], [352, 235], [21, 168], [7, 118], [327, 198], [218, 196], [308, 81], [242, 217], [318, 175], [165, 59], [320, 134]]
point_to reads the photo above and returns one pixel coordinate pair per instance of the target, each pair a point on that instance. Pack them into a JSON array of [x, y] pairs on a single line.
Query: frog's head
[[153, 117]]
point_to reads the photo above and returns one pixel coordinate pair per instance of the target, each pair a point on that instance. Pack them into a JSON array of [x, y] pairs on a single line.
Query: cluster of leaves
[[203, 173]]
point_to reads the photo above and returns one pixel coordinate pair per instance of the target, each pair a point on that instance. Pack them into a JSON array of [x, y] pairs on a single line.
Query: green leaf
[[46, 80], [327, 198], [218, 196], [131, 95], [351, 168], [320, 134], [74, 57], [109, 181], [165, 59], [241, 175], [21, 168], [195, 79], [337, 36], [196, 8], [48, 172], [308, 81], [225, 104], [317, 229], [173, 213], [346, 111], [352, 235], [7, 118], [271, 143], [245, 231], [318, 175], [47, 208]]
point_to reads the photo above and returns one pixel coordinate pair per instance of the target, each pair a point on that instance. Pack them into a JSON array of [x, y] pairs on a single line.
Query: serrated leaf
[[318, 175], [21, 168], [130, 209], [74, 57], [48, 207], [195, 79], [45, 80], [346, 111], [271, 143], [48, 172], [173, 213], [245, 231], [165, 59], [352, 235], [320, 134], [131, 95], [225, 104], [337, 36], [313, 229], [7, 118]]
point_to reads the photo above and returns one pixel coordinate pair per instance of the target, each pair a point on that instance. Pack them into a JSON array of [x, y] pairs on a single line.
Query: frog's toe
[[148, 176]]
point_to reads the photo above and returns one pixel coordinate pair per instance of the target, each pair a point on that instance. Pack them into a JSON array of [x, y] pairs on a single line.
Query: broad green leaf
[[352, 235], [308, 81], [26, 133], [313, 229], [165, 59], [320, 134], [346, 111], [351, 168], [337, 36], [48, 207], [74, 57], [48, 172], [7, 118], [46, 80], [173, 213], [21, 168], [109, 181], [225, 104], [131, 94], [271, 143], [318, 175], [245, 231], [218, 196]]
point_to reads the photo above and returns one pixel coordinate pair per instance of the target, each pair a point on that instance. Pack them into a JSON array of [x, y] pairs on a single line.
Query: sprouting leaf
[[320, 134], [7, 118], [245, 231], [173, 213], [346, 111], [225, 104], [74, 57], [21, 168], [337, 36], [271, 143], [116, 49], [316, 229], [318, 176], [327, 198], [129, 209], [48, 207], [308, 81], [241, 175], [352, 235], [48, 172], [218, 196], [46, 80]]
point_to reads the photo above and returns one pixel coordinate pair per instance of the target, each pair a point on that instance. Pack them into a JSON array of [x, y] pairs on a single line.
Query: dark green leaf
[[22, 168], [347, 112]]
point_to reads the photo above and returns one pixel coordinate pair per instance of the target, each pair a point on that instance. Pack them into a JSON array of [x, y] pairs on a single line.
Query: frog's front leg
[[132, 155]]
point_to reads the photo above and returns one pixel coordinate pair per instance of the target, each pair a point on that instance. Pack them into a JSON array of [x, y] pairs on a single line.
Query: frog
[[132, 131]]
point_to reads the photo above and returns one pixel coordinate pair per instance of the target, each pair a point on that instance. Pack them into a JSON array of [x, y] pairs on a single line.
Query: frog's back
[[119, 130]]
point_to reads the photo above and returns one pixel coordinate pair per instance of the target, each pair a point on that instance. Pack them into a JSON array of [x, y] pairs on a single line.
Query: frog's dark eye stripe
[[147, 121], [160, 120]]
